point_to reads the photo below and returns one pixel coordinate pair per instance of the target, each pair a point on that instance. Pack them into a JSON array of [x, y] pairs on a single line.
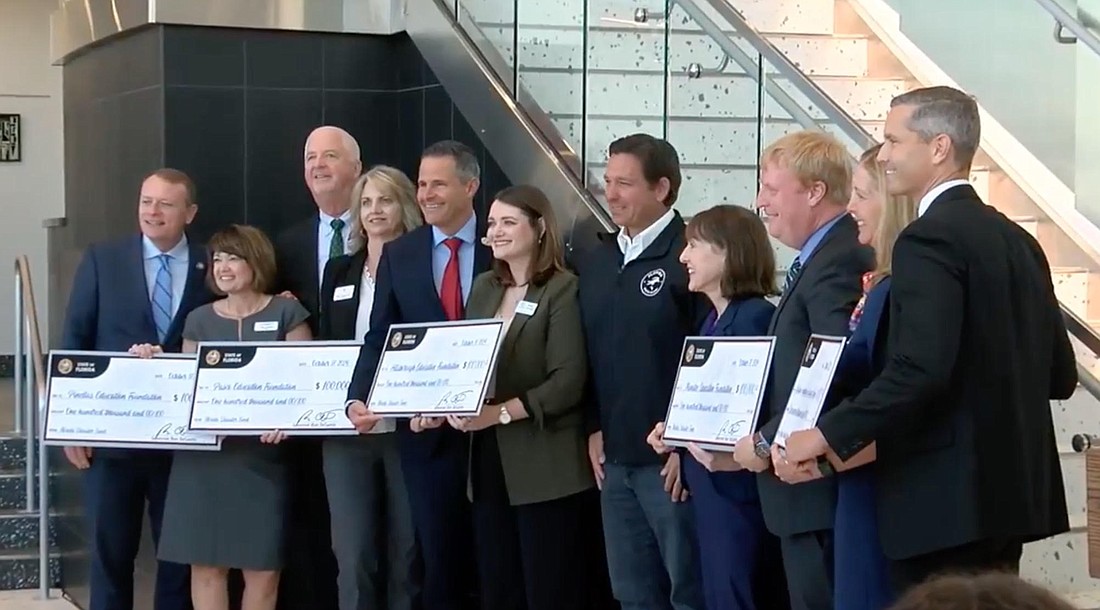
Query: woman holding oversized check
[[225, 509], [528, 461], [729, 259], [366, 490]]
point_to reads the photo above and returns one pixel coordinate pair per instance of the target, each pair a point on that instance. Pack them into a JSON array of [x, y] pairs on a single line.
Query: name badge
[[263, 327], [343, 293], [526, 308]]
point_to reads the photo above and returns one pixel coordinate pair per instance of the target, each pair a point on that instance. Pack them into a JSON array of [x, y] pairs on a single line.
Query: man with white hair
[[332, 164]]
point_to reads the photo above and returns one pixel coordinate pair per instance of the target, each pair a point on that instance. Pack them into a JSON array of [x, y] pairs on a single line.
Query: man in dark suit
[[804, 188], [967, 463], [135, 290], [332, 165], [425, 276]]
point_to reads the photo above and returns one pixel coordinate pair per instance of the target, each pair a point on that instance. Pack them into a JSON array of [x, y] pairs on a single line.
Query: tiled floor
[[28, 600]]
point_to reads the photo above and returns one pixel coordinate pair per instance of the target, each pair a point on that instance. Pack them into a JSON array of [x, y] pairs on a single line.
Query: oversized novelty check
[[811, 385], [114, 399], [299, 387], [436, 369], [716, 400]]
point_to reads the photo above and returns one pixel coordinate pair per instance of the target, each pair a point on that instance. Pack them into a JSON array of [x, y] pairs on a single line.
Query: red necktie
[[450, 293]]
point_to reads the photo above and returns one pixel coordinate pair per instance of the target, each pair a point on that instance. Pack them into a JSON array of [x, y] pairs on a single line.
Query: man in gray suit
[[804, 187]]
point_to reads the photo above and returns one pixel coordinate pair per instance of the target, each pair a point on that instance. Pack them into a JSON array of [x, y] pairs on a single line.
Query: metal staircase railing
[[30, 398]]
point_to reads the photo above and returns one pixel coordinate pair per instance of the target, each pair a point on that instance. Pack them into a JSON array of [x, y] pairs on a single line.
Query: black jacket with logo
[[635, 320]]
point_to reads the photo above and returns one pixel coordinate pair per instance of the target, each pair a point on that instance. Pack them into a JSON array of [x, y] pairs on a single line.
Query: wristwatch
[[761, 447], [505, 416], [825, 467]]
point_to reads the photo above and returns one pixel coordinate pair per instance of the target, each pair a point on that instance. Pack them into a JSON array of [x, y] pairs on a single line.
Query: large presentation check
[[811, 385], [114, 399], [436, 369], [716, 400], [247, 388]]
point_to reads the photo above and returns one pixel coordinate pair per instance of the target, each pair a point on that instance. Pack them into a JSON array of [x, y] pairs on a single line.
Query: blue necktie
[[792, 273], [162, 297]]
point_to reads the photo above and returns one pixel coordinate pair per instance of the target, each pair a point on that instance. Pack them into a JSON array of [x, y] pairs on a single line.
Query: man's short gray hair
[[350, 143], [947, 111], [466, 165]]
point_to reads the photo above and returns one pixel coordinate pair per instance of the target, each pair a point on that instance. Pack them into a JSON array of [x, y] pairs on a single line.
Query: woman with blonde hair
[[372, 532], [861, 575]]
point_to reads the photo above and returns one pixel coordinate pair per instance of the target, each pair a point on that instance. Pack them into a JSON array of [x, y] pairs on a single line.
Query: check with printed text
[[436, 369], [811, 385], [113, 399], [248, 388], [716, 400]]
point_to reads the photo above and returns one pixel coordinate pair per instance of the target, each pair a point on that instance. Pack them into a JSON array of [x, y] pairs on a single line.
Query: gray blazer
[[542, 361]]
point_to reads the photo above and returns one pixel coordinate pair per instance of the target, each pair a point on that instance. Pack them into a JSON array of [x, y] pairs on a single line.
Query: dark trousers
[[117, 489], [808, 562], [436, 482], [976, 557], [308, 578], [531, 557], [740, 559], [372, 531]]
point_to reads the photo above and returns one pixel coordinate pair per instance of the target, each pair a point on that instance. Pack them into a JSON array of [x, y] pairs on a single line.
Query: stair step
[[19, 530], [19, 569]]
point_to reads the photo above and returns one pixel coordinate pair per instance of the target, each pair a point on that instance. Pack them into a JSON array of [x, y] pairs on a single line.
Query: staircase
[[19, 528], [599, 69]]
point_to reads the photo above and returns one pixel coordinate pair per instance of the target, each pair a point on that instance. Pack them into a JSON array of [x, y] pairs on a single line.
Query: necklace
[[235, 316]]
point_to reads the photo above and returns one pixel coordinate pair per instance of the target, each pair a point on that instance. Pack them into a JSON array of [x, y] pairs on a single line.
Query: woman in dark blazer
[[529, 471], [366, 491], [861, 580], [729, 258]]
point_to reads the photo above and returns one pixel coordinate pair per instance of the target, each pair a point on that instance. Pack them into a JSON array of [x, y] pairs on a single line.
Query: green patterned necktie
[[336, 246]]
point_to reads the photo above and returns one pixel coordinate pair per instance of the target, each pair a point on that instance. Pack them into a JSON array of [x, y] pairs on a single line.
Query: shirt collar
[[814, 241], [647, 236], [326, 220], [939, 189], [468, 232], [150, 251]]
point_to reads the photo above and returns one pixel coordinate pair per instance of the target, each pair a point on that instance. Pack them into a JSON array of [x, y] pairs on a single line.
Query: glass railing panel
[[713, 115], [626, 58], [1086, 127], [491, 25]]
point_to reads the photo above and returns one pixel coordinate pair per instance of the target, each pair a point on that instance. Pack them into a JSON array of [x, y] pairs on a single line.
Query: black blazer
[[337, 321], [821, 301], [977, 348], [404, 292], [296, 266]]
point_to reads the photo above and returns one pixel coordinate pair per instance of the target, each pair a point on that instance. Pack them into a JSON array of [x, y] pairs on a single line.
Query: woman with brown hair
[[729, 259], [227, 509], [992, 591], [529, 471]]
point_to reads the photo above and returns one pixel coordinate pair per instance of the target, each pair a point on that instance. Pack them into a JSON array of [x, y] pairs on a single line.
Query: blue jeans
[[652, 553]]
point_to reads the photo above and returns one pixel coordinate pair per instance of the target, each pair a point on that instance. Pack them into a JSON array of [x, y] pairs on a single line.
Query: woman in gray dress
[[225, 509]]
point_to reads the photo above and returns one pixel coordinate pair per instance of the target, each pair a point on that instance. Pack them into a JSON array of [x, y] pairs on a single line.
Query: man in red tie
[[425, 276]]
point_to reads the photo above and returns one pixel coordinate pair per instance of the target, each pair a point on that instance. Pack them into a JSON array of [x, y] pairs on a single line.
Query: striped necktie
[[792, 273], [336, 246], [162, 297]]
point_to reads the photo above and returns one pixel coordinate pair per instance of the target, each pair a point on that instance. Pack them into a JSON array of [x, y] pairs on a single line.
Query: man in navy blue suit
[[425, 276], [138, 289]]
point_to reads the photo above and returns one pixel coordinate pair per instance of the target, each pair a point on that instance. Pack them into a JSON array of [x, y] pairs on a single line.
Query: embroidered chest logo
[[652, 282]]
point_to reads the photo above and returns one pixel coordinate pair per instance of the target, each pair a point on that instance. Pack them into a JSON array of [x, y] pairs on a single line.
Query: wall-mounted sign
[[11, 145]]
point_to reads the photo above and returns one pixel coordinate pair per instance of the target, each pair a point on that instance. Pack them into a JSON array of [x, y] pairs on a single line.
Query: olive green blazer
[[542, 361]]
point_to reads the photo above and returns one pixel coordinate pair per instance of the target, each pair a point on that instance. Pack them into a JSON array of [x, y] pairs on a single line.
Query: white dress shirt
[[939, 189], [632, 247], [362, 325]]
